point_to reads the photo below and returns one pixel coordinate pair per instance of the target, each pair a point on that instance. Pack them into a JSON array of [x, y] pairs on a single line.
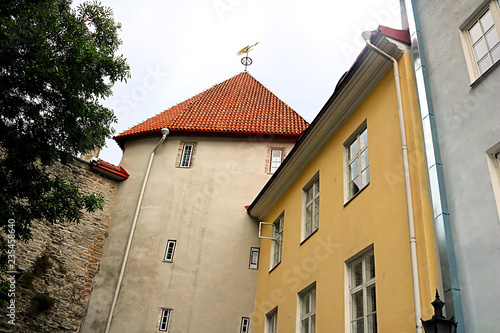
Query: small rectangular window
[[272, 321], [254, 258], [310, 208], [481, 39], [165, 314], [358, 171], [169, 253], [277, 241], [276, 159], [362, 294], [187, 152], [245, 325], [307, 310]]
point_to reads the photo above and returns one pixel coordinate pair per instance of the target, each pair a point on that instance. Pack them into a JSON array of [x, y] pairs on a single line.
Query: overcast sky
[[177, 49]]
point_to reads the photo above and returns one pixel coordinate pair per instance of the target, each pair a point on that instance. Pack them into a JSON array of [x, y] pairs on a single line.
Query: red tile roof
[[109, 169], [239, 105]]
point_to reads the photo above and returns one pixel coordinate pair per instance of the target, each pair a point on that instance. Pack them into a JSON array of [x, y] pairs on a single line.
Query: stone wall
[[63, 260]]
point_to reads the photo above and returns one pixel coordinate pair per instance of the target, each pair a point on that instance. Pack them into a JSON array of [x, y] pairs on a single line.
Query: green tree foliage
[[57, 64]]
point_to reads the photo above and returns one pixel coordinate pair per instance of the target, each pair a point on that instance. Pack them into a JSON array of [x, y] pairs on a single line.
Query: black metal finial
[[438, 306], [438, 323]]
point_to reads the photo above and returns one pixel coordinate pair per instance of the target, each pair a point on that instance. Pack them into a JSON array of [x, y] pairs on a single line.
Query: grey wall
[[209, 285], [468, 124]]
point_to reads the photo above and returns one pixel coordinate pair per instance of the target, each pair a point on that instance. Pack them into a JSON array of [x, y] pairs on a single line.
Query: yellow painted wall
[[376, 216]]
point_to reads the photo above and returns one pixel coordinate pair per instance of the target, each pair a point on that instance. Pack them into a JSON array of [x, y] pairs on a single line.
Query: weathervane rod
[[246, 61]]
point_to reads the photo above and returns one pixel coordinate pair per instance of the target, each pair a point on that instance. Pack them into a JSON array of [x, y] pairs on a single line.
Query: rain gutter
[[441, 216], [164, 133], [406, 169]]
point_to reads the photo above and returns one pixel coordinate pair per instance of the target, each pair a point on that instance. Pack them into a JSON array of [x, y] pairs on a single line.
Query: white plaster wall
[[468, 124], [209, 285]]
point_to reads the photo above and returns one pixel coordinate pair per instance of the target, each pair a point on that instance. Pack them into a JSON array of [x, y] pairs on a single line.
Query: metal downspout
[[164, 132], [409, 200], [443, 236]]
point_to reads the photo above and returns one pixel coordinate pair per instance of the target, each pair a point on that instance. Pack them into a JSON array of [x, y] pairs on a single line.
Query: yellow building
[[347, 240]]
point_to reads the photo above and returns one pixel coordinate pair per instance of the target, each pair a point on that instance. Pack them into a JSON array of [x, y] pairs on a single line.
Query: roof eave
[[119, 174], [357, 83], [120, 140]]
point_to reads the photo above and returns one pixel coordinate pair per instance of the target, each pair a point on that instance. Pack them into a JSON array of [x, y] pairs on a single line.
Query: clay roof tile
[[240, 104]]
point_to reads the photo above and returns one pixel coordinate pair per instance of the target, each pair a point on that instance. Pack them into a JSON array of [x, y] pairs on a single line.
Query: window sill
[[167, 261], [480, 77], [347, 202], [309, 236], [272, 269]]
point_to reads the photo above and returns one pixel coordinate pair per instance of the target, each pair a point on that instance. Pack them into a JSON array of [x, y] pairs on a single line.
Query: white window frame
[[314, 203], [493, 160], [368, 283], [273, 163], [356, 139], [254, 258], [307, 295], [493, 6], [245, 325], [272, 321], [187, 155], [170, 250], [277, 245], [164, 319]]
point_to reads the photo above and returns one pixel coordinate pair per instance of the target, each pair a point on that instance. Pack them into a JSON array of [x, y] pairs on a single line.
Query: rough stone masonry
[[68, 260]]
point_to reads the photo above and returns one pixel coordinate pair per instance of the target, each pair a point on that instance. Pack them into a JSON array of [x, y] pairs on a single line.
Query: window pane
[[495, 53], [353, 149], [316, 187], [313, 300], [363, 139], [305, 326], [365, 177], [357, 274], [480, 49], [370, 267], [354, 186], [492, 38], [305, 304], [370, 299], [364, 159], [486, 21], [313, 323], [357, 305], [484, 64], [316, 213], [309, 195], [475, 33], [358, 327], [372, 323], [308, 220], [353, 169]]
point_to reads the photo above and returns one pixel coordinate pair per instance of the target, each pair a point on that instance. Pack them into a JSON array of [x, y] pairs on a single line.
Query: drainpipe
[[164, 132], [411, 223], [442, 225]]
